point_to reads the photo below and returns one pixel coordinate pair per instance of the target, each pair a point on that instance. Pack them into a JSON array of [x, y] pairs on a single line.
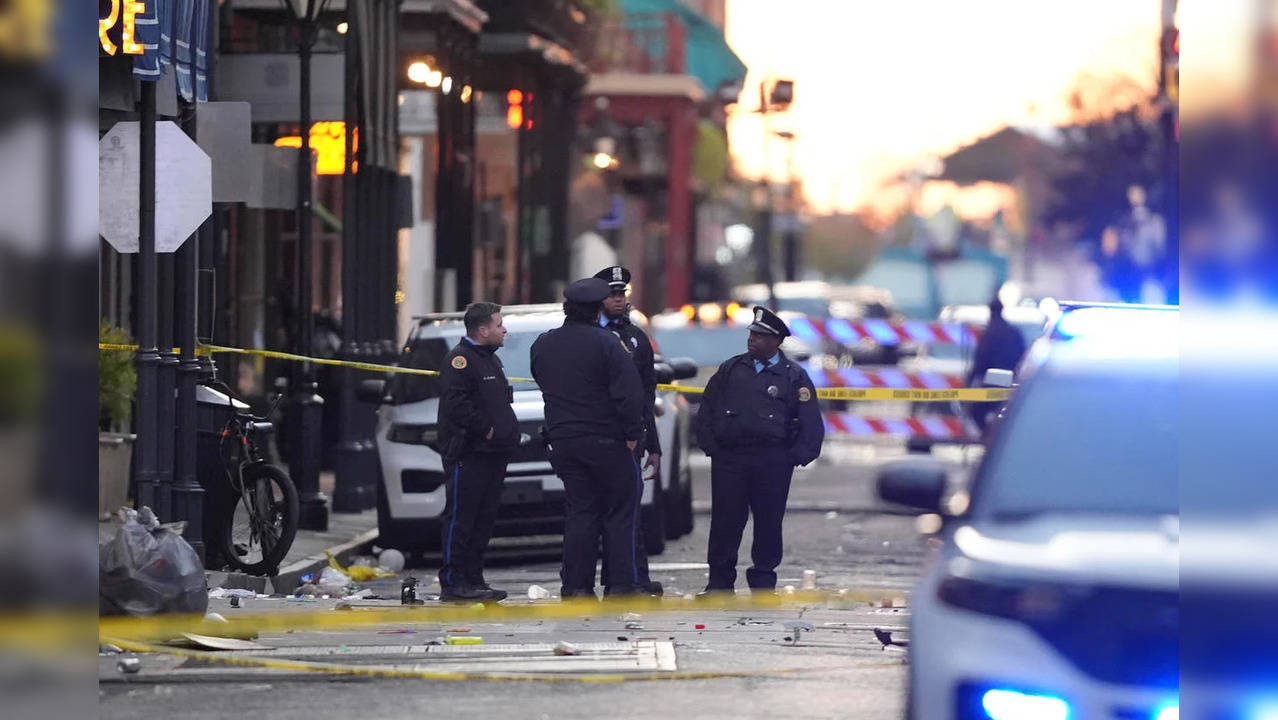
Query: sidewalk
[[346, 536]]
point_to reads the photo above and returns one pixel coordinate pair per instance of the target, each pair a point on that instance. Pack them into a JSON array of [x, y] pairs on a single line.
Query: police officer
[[1001, 346], [616, 318], [594, 423], [477, 432], [758, 420]]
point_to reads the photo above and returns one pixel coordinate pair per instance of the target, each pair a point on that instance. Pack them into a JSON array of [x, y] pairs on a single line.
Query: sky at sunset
[[880, 85]]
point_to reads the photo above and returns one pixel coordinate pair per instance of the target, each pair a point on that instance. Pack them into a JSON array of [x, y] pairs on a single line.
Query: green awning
[[710, 60]]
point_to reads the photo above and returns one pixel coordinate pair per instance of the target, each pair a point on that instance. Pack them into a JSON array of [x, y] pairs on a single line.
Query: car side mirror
[[995, 377], [915, 482], [663, 371], [371, 391], [685, 368]]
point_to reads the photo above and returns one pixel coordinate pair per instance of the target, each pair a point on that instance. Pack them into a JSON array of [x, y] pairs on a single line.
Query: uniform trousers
[[602, 486], [747, 481]]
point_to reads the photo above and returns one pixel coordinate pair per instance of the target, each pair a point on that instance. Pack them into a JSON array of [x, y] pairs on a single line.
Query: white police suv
[[1054, 594], [411, 489]]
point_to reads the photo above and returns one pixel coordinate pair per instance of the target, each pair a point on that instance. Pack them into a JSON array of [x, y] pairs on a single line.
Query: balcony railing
[[645, 43]]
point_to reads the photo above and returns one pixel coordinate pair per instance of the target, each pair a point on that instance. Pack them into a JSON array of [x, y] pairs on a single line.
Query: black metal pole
[[350, 489], [763, 237], [147, 358], [306, 404], [188, 496], [166, 385]]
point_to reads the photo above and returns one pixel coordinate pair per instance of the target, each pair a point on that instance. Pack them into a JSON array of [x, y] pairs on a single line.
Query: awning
[[175, 33], [710, 60]]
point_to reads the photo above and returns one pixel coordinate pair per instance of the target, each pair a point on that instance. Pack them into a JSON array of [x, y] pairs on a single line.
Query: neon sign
[[124, 13]]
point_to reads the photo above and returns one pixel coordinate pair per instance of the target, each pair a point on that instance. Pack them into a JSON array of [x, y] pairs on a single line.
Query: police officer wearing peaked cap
[[616, 319], [477, 432], [758, 420], [594, 422]]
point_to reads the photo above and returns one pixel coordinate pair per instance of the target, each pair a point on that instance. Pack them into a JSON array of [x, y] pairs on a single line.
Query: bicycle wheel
[[259, 529]]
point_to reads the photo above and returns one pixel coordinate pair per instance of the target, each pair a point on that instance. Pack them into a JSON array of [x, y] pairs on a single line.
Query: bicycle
[[257, 523]]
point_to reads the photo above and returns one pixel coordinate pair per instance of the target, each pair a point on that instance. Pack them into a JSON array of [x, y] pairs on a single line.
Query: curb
[[289, 578]]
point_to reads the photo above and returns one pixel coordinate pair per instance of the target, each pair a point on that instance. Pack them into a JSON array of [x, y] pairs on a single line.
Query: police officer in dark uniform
[[758, 420], [616, 318], [477, 432], [594, 422]]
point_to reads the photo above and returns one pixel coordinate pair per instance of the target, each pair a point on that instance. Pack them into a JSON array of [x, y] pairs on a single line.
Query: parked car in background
[[808, 297], [410, 499]]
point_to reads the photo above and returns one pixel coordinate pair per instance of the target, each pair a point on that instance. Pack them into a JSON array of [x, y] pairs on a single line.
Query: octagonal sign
[[183, 187]]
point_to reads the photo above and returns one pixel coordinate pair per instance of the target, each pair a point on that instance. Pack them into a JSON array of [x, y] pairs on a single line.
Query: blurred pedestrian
[[594, 424], [759, 419], [616, 319], [1000, 347], [477, 432], [1117, 268]]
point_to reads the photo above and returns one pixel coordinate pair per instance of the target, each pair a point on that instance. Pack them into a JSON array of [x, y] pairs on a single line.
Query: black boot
[[463, 593]]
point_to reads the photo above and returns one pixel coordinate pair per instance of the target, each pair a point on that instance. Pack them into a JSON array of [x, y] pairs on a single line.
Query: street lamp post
[[789, 230], [305, 405], [782, 93]]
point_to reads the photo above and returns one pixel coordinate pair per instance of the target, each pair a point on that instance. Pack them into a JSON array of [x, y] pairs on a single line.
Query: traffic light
[[514, 109]]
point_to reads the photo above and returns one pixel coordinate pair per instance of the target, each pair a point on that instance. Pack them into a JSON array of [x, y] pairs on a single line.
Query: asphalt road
[[838, 670]]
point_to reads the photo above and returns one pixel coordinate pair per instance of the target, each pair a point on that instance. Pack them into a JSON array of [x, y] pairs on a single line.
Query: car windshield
[[429, 354], [1085, 444], [705, 345], [811, 306]]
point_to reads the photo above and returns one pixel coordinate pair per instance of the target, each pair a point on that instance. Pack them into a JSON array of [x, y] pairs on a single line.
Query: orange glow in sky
[[881, 85]]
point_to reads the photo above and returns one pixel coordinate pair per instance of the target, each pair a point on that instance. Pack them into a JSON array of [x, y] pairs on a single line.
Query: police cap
[[587, 290], [616, 276], [767, 322]]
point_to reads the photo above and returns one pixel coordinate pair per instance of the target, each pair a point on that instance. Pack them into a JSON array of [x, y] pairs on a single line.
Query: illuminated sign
[[328, 141], [25, 29], [124, 13]]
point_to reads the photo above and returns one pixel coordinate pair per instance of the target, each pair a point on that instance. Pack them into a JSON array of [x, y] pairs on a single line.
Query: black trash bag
[[148, 569]]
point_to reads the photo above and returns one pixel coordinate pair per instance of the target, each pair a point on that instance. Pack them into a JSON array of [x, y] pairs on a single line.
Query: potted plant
[[117, 383]]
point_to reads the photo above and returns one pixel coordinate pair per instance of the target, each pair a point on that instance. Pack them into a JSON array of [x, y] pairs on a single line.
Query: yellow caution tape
[[415, 673], [832, 393], [244, 625], [277, 355], [200, 350], [685, 389]]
